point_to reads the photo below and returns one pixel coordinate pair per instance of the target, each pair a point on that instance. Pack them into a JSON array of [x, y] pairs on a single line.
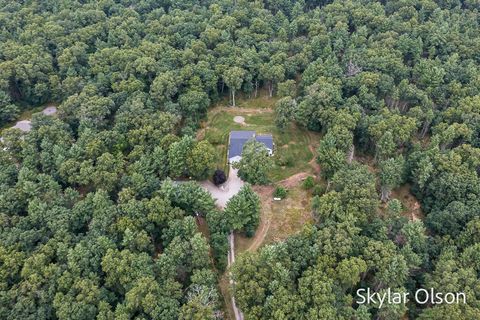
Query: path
[[233, 185], [266, 194], [231, 260], [313, 163], [222, 194]]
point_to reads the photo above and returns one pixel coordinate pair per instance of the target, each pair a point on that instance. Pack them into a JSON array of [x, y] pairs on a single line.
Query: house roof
[[266, 139], [242, 134], [237, 140]]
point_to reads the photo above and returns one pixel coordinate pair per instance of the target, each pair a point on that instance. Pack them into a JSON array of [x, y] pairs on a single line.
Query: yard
[[293, 148], [279, 219], [294, 160]]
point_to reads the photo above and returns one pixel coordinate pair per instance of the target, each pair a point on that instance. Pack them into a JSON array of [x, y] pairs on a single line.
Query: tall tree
[[255, 163], [233, 78], [243, 210]]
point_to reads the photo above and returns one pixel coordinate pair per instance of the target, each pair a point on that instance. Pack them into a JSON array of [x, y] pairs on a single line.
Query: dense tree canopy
[[91, 226]]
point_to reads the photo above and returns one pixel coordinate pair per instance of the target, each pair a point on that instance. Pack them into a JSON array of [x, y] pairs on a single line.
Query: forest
[[99, 207]]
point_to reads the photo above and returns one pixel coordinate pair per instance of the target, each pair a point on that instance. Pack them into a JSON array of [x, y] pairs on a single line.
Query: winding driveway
[[222, 194]]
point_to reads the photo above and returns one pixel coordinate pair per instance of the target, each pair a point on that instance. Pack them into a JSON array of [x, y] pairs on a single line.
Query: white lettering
[[359, 291], [422, 296], [452, 298], [371, 296], [417, 296], [381, 298], [397, 298]]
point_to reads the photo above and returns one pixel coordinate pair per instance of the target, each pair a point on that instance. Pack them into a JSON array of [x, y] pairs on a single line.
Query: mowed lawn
[[292, 151]]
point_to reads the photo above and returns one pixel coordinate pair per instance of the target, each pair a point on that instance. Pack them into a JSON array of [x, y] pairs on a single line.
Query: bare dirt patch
[[279, 219], [24, 125], [239, 120], [294, 180], [411, 204], [50, 110]]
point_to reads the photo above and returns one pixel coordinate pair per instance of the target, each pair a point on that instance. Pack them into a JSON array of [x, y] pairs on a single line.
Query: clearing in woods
[[295, 159], [295, 152], [293, 147]]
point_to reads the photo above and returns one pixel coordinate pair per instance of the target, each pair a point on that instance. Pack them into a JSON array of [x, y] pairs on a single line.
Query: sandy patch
[[50, 110], [24, 125], [239, 119]]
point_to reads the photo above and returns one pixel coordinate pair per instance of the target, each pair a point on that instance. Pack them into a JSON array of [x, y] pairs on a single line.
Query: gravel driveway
[[223, 193]]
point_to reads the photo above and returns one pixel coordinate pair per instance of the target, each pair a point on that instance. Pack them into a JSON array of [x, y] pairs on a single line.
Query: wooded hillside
[[92, 226]]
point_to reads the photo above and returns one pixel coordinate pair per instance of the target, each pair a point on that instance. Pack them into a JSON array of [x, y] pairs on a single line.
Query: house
[[238, 139], [267, 140], [236, 142]]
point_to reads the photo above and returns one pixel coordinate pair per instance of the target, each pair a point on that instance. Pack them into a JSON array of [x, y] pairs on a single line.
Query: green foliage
[[287, 88], [8, 111], [178, 155], [280, 192], [233, 78], [319, 190], [308, 183], [255, 163], [201, 160], [283, 159], [284, 110], [332, 152], [391, 175], [243, 211], [91, 228]]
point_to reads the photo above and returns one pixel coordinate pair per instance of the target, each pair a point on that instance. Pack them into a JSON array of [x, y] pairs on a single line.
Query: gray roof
[[266, 139], [242, 134], [237, 140]]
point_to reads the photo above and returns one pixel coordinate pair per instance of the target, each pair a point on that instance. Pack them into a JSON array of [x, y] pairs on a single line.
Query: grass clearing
[[292, 151], [294, 160]]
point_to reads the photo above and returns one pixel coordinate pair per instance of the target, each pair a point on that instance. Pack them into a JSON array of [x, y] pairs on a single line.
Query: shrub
[[308, 183], [280, 192], [219, 177], [283, 160], [215, 136], [319, 190]]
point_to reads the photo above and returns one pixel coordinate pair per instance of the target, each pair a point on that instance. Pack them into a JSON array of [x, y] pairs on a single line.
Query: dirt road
[[222, 194]]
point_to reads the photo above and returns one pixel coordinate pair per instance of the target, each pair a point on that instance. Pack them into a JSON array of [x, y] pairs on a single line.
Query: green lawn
[[292, 146]]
